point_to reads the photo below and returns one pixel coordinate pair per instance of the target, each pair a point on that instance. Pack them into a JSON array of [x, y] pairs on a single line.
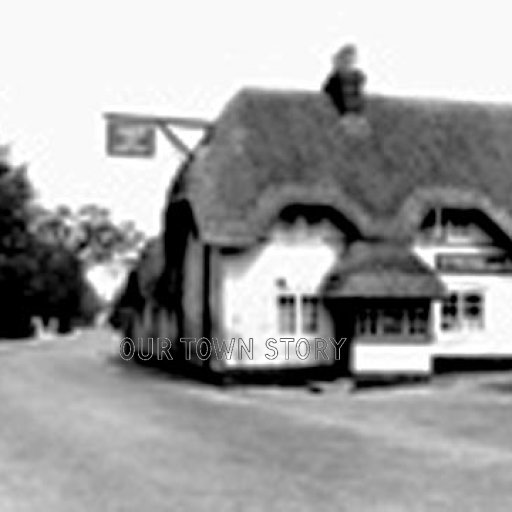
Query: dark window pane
[[392, 321], [287, 313], [450, 313], [418, 321], [309, 314]]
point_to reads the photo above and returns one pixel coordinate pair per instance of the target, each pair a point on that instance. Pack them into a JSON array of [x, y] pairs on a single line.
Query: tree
[[15, 193], [90, 233], [45, 253], [16, 264], [94, 240], [40, 275]]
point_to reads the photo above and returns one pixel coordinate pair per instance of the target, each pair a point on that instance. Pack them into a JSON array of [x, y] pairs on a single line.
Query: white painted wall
[[391, 358], [493, 339], [496, 336], [302, 255]]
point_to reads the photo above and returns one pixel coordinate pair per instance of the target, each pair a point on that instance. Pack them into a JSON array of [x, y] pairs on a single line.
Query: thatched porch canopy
[[379, 272]]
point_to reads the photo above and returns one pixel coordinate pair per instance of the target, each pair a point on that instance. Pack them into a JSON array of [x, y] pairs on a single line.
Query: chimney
[[345, 83]]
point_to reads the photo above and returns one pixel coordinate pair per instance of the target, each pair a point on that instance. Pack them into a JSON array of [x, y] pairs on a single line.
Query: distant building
[[385, 221], [108, 277]]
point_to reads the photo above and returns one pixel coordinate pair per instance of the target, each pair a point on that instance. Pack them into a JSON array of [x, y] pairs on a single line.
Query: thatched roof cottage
[[389, 224]]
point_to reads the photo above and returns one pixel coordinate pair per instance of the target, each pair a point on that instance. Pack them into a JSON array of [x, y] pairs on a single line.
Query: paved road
[[81, 430]]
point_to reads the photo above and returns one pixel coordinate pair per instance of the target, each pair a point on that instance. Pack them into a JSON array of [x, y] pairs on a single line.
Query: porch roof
[[379, 271]]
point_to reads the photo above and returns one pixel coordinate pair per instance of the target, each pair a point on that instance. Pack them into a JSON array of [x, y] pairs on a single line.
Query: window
[[298, 311], [455, 226], [309, 314], [418, 320], [473, 310], [393, 321], [450, 313], [367, 322], [463, 310], [287, 308]]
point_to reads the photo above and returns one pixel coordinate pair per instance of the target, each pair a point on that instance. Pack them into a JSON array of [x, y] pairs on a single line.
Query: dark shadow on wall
[[471, 364]]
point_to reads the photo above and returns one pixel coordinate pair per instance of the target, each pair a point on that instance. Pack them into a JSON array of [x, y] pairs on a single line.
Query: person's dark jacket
[[345, 90]]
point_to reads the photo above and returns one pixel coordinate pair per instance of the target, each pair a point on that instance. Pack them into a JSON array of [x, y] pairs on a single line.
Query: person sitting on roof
[[345, 82]]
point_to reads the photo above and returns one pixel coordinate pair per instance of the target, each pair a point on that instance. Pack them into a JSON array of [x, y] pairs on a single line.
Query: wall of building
[[494, 338], [153, 330], [391, 357], [384, 353], [294, 259], [193, 289]]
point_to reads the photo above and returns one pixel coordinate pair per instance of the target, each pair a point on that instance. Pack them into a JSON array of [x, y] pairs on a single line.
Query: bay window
[[393, 320]]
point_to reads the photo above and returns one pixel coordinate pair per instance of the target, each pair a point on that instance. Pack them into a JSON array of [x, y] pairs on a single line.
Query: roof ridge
[[269, 139], [413, 100]]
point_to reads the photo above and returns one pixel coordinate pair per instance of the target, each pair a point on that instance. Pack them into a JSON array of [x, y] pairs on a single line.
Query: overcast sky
[[64, 63]]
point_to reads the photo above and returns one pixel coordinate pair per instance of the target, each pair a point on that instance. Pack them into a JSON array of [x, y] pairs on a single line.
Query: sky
[[64, 63]]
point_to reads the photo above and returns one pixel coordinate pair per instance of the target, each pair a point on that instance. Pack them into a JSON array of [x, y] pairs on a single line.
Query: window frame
[[463, 320], [287, 313], [311, 304], [304, 313], [371, 321]]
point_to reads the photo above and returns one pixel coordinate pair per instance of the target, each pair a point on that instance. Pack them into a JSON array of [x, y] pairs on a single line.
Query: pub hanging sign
[[130, 139]]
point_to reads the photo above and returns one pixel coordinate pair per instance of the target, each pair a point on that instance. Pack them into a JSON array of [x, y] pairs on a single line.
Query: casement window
[[298, 313], [367, 321], [463, 310], [392, 321], [417, 320], [454, 226], [287, 309], [309, 314]]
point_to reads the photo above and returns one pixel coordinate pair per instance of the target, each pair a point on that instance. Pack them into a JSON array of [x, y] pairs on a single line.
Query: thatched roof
[[382, 271], [269, 149]]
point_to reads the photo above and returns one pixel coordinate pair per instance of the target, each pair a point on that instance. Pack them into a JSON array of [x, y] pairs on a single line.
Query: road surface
[[81, 430]]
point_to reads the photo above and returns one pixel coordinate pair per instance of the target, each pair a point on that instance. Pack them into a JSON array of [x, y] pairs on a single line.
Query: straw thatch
[[269, 149], [381, 271]]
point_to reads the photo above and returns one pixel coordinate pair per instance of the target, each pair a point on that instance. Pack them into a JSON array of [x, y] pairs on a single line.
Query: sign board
[[130, 139], [474, 263]]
